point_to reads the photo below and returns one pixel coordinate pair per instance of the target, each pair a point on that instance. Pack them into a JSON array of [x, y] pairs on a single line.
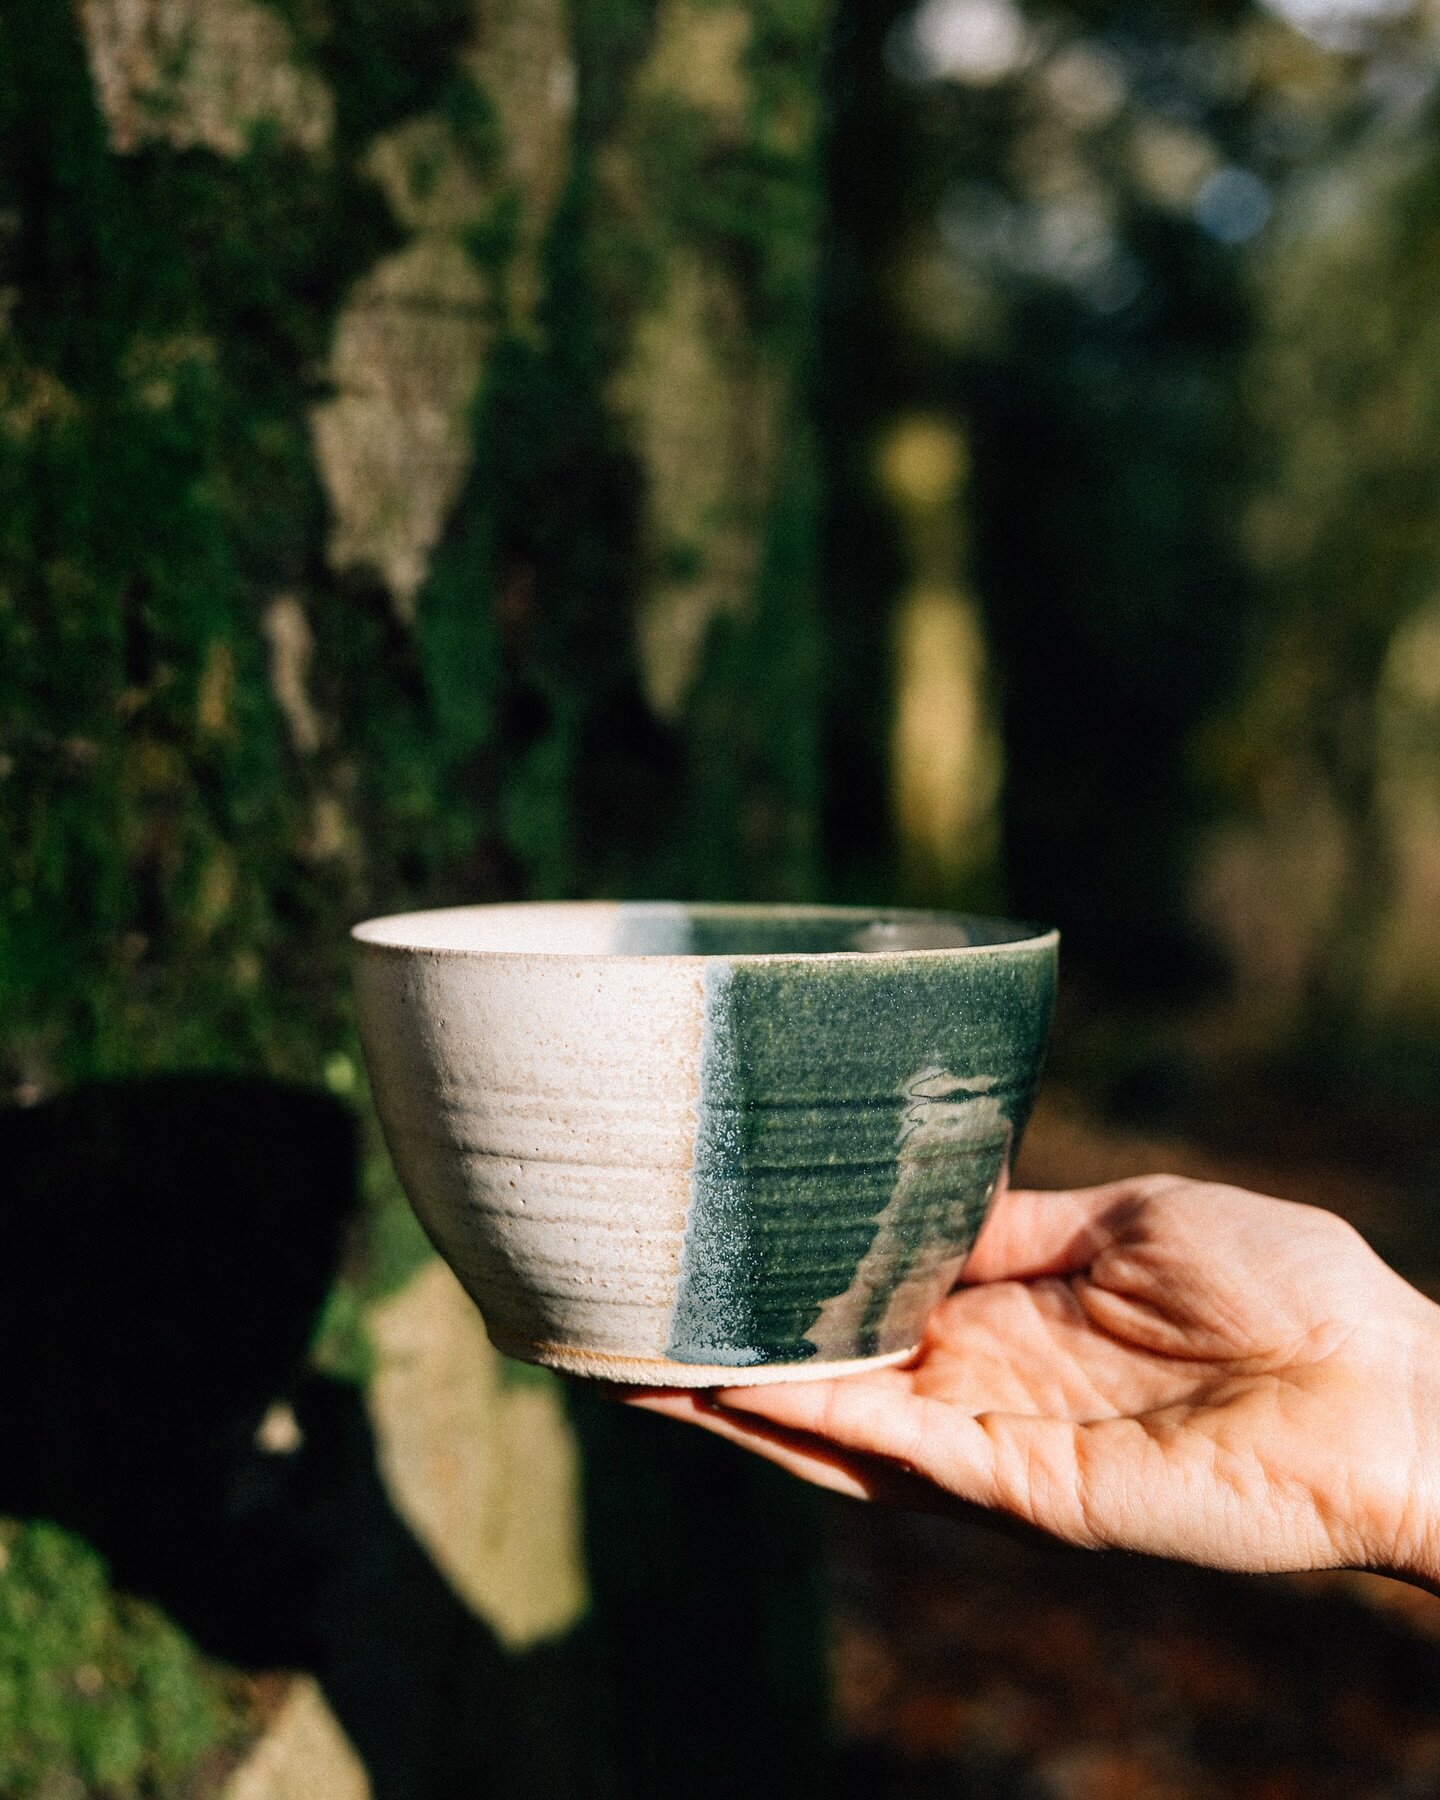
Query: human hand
[[1159, 1365]]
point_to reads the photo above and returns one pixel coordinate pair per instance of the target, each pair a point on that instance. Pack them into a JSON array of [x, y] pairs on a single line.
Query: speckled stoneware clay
[[694, 1145]]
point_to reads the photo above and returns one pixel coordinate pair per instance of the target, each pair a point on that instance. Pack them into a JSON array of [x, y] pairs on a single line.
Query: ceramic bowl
[[693, 1145]]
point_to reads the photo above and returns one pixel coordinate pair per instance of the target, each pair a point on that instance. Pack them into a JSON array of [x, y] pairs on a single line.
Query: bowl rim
[[1030, 937]]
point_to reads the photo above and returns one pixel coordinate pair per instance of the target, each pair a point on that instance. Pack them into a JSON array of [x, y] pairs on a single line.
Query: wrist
[[1408, 1544]]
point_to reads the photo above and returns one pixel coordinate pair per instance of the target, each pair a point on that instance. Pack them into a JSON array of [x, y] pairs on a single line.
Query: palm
[[1183, 1370]]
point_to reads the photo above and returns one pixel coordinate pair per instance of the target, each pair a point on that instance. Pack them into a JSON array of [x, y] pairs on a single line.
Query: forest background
[[971, 454]]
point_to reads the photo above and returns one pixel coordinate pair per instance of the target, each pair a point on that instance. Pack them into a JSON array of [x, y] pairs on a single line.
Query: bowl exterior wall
[[670, 1168]]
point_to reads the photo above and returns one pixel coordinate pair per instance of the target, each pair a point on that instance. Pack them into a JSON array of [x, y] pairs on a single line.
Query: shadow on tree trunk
[[165, 1246]]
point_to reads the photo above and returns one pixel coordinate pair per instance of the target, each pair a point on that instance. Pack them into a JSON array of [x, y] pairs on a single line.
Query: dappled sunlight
[[945, 750], [946, 758]]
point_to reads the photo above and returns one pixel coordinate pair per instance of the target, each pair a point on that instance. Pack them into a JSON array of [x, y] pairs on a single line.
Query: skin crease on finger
[[1160, 1365]]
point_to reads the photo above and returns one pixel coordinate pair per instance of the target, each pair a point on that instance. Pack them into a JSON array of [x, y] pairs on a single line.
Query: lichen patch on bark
[[200, 73], [410, 348], [522, 60], [393, 444], [703, 414]]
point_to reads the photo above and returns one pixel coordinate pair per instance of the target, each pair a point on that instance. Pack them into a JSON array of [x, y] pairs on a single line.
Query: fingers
[[856, 1476], [1030, 1234], [1024, 1467], [1161, 1484], [1086, 1483], [1034, 1347], [876, 1415], [1106, 1483]]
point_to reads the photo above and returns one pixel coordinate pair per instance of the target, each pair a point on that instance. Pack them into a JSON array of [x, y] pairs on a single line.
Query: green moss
[[99, 1693], [171, 307]]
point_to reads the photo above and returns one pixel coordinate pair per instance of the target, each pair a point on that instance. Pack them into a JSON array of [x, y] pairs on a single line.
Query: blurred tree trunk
[[406, 497]]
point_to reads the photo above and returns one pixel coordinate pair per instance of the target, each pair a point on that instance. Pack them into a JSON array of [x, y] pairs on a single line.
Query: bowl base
[[658, 1372]]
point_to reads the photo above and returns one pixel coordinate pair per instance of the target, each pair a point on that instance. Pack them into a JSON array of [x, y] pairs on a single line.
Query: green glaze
[[855, 1116]]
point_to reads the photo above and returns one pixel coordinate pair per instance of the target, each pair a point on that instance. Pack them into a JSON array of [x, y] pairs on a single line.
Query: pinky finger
[[857, 1476]]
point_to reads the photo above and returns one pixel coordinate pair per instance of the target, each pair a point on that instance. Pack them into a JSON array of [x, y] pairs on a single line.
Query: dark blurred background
[[972, 453]]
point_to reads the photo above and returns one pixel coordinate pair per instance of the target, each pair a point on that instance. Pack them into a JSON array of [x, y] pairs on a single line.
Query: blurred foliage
[[1343, 531], [99, 1694], [1090, 340], [1172, 273]]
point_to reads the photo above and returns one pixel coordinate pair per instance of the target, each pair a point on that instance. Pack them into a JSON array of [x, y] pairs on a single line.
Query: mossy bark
[[406, 489], [405, 497]]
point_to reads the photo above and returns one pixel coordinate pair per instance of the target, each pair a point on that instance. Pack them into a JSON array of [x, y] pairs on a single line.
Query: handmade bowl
[[694, 1145]]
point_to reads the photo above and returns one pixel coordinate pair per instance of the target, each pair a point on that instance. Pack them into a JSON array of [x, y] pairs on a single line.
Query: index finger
[[1030, 1233]]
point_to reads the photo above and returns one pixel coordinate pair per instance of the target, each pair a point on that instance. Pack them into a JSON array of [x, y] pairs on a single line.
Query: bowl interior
[[666, 928]]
